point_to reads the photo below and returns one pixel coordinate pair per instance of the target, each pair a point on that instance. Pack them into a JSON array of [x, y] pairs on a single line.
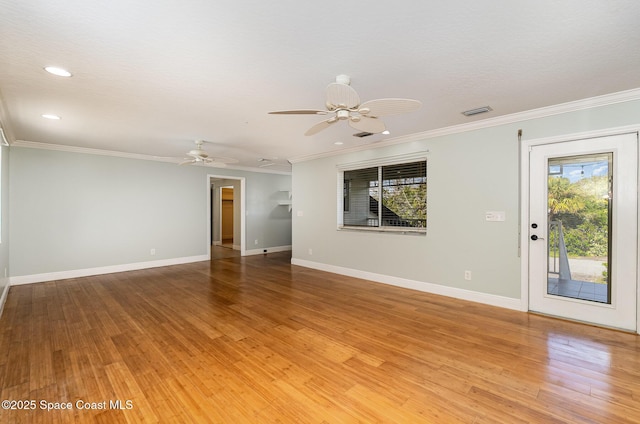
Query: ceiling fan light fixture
[[343, 102], [57, 71], [477, 111], [343, 79]]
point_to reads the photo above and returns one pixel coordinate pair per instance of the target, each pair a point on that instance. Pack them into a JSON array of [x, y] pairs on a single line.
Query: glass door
[[579, 200], [583, 230]]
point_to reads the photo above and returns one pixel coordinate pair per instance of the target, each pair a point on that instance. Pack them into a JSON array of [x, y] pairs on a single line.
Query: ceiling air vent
[[477, 110], [362, 134]]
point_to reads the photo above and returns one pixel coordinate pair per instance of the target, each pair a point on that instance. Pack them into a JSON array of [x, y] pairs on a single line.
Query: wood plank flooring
[[257, 340]]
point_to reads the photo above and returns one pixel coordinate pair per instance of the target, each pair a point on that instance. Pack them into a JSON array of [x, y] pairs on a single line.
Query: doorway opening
[[226, 218], [226, 207]]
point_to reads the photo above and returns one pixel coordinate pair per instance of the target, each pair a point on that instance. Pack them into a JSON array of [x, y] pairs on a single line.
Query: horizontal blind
[[387, 196], [404, 195], [361, 197]]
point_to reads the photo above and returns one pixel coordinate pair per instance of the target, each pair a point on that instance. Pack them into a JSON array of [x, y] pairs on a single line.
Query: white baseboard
[[62, 275], [266, 250], [3, 296], [473, 296]]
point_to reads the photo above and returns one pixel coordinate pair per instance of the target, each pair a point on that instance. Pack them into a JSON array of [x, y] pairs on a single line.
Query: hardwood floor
[[257, 340]]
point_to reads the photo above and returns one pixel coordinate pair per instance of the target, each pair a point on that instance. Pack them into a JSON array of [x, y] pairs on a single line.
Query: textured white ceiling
[[152, 76]]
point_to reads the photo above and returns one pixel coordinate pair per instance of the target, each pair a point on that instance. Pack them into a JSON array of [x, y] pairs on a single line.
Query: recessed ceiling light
[[386, 132], [338, 143], [57, 71], [50, 116]]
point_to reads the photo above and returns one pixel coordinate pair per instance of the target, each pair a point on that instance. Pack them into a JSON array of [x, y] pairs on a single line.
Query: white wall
[[267, 221], [73, 211], [468, 173]]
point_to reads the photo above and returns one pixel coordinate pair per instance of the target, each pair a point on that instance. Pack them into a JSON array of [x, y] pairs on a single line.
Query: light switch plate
[[495, 216]]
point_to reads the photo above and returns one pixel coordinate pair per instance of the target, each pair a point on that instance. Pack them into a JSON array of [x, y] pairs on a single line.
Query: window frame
[[379, 163]]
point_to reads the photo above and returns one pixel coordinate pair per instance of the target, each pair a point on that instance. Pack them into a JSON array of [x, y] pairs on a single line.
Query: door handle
[[535, 237]]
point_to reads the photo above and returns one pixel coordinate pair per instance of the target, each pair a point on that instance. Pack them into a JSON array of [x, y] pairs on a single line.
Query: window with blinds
[[389, 197]]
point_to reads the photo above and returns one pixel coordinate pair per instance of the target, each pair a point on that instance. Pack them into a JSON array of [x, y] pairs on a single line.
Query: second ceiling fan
[[201, 156], [343, 103]]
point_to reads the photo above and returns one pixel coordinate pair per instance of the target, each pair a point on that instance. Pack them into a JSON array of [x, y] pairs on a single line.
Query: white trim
[[389, 160], [473, 296], [394, 230], [524, 225], [524, 196], [5, 122], [607, 99], [3, 138], [607, 132], [139, 156], [62, 275], [3, 297], [266, 250]]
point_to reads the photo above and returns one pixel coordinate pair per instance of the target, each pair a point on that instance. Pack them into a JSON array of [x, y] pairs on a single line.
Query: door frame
[[524, 204], [242, 197]]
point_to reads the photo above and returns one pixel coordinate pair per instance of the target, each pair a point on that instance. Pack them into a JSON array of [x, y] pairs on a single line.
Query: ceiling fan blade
[[341, 96], [320, 126], [386, 107], [299, 112], [368, 124], [220, 159], [187, 162]]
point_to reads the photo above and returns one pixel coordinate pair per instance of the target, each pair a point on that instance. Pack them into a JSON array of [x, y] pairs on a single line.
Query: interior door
[[583, 230]]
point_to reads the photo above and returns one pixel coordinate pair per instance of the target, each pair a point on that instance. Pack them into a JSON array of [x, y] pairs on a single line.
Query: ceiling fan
[[199, 155], [343, 103]]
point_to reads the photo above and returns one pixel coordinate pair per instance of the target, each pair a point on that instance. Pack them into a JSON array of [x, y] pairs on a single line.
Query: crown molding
[[138, 156], [5, 128], [589, 103], [89, 151]]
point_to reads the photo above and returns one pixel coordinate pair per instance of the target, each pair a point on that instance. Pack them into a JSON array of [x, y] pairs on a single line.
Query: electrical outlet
[[255, 242], [467, 275], [310, 251], [153, 252]]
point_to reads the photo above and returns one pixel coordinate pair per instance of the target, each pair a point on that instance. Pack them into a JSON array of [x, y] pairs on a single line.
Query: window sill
[[396, 230]]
